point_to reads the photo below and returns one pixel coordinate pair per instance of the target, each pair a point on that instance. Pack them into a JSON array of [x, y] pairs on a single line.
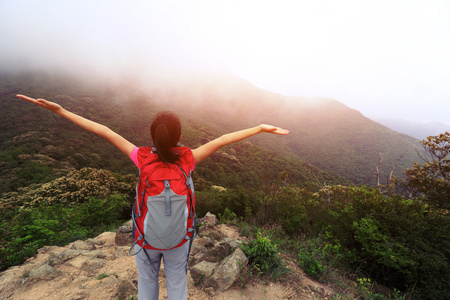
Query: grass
[[103, 275]]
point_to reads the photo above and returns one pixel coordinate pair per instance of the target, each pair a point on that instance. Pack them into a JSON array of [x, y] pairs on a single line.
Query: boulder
[[60, 257], [44, 272], [209, 219], [89, 244], [124, 234], [203, 269], [227, 272]]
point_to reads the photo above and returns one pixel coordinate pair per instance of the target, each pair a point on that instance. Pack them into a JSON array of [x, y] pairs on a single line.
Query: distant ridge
[[416, 129]]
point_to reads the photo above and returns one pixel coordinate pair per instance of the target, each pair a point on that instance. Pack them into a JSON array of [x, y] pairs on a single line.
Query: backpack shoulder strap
[[146, 155], [186, 160]]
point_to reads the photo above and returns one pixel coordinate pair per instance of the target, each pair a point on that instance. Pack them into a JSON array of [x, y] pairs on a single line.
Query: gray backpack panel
[[164, 230]]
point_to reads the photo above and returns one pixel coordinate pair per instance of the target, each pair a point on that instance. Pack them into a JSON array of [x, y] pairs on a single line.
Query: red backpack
[[164, 209]]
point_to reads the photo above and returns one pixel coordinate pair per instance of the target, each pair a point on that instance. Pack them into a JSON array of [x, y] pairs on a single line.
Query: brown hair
[[166, 132]]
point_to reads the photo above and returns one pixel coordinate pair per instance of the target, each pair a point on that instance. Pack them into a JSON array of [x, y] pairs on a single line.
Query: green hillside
[[325, 134], [38, 146]]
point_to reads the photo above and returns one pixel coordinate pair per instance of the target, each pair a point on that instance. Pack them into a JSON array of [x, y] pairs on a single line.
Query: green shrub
[[57, 224], [399, 242], [311, 258], [206, 201], [262, 253], [228, 217]]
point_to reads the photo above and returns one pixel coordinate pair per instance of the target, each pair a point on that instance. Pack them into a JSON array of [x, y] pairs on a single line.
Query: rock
[[196, 259], [60, 257], [209, 219], [78, 262], [100, 269], [124, 289], [234, 244], [95, 254], [217, 253], [44, 272], [126, 227], [196, 248], [228, 270], [89, 244], [211, 232], [190, 281], [82, 245], [204, 269], [122, 250], [124, 234], [92, 265], [204, 242]]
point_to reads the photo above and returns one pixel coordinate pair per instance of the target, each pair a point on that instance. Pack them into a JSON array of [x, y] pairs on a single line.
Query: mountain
[[416, 129], [324, 132], [37, 146], [329, 142]]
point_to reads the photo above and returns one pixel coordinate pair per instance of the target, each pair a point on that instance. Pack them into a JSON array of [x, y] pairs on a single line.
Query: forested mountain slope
[[325, 134], [38, 146]]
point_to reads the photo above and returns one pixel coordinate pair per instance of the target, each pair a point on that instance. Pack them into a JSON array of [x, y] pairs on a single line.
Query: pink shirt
[[133, 156]]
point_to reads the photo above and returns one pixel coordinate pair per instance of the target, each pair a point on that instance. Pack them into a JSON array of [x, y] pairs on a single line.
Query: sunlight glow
[[376, 56]]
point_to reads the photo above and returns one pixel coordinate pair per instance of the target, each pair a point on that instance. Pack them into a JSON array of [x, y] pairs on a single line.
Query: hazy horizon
[[385, 59]]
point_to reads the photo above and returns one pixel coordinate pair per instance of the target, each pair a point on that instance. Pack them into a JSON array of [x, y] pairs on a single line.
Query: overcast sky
[[384, 58]]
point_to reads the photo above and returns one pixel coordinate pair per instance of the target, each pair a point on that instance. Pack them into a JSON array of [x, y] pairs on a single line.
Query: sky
[[383, 58]]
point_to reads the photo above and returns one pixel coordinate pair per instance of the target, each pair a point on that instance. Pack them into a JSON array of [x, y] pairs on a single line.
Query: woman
[[166, 134]]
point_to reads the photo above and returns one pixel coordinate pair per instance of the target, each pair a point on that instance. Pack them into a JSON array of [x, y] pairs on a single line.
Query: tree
[[431, 181]]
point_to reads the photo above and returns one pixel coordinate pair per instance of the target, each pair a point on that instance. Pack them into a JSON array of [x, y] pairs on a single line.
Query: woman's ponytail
[[166, 132]]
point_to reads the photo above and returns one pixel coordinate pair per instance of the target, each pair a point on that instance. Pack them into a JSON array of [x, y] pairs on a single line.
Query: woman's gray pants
[[175, 263]]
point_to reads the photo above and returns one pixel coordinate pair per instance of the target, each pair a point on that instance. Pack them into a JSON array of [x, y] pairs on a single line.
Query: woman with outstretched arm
[[166, 134]]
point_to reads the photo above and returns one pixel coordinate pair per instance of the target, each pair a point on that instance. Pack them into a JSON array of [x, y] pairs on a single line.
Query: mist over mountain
[[324, 132], [327, 137], [416, 129]]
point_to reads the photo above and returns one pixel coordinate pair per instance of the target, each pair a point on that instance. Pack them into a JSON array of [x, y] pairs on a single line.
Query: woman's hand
[[273, 129], [54, 107], [209, 148]]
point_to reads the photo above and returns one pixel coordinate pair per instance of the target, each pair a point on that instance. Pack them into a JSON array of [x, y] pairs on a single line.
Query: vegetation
[[59, 184], [262, 253], [432, 179]]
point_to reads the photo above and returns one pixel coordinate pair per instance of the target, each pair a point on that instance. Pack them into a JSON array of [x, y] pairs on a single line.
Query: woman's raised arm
[[209, 148], [121, 143]]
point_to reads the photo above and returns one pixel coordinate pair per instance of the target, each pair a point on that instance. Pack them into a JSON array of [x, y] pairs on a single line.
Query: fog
[[384, 58]]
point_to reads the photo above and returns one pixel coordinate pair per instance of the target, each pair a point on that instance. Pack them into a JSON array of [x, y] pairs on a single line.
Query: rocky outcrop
[[90, 269], [216, 260], [101, 268]]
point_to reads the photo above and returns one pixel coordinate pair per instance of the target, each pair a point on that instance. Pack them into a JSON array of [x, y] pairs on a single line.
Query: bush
[[57, 224], [432, 179], [399, 242], [262, 253], [228, 217], [311, 258]]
